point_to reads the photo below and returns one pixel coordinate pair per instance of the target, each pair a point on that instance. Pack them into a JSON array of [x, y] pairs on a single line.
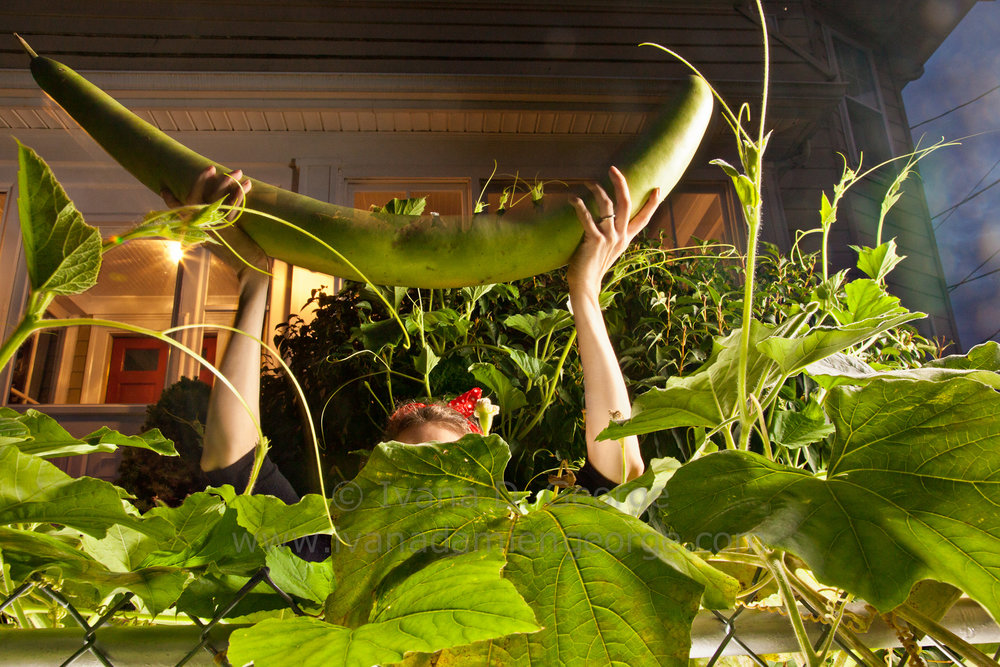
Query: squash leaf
[[36, 433], [878, 262], [451, 600], [308, 580], [703, 398], [272, 522], [910, 493], [450, 497], [62, 252], [35, 491], [29, 552]]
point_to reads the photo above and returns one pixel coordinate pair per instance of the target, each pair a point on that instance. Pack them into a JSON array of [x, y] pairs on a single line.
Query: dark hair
[[410, 414]]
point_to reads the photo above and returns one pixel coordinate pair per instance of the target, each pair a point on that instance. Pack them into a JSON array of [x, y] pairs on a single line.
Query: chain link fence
[[747, 631]]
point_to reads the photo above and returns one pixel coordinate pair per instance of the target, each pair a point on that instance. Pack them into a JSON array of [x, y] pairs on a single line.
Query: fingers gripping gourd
[[427, 251]]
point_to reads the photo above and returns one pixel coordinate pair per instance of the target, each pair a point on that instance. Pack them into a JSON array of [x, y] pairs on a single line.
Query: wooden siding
[[558, 38]]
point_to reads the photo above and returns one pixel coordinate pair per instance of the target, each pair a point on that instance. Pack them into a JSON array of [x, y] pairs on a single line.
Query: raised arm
[[229, 428], [605, 394]]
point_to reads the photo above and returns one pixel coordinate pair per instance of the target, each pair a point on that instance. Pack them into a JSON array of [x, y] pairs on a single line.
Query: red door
[[208, 345], [138, 369]]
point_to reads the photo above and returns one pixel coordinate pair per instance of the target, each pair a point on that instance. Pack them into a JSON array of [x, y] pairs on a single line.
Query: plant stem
[[551, 390], [768, 452], [844, 634], [774, 564], [823, 260], [28, 325], [834, 626], [728, 435], [8, 588], [753, 229], [929, 626]]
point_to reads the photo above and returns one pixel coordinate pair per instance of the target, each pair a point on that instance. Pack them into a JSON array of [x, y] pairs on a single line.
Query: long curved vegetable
[[429, 251]]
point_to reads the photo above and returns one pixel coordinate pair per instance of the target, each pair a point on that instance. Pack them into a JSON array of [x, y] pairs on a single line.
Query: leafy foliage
[[899, 502], [448, 601], [663, 310]]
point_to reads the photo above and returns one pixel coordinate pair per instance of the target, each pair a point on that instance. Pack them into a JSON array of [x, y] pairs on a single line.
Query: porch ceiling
[[469, 104]]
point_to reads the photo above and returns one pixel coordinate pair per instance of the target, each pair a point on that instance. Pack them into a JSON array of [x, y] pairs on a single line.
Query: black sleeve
[[271, 482], [589, 478]]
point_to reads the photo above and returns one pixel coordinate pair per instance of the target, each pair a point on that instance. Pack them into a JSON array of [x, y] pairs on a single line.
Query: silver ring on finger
[[605, 217]]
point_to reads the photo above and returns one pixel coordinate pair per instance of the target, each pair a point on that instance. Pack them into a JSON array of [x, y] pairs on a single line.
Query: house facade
[[358, 102]]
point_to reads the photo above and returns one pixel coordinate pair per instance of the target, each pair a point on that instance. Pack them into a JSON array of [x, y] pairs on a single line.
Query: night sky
[[965, 67]]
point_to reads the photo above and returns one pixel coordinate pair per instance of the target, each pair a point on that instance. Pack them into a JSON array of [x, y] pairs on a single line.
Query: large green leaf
[[449, 601], [570, 558], [608, 589], [216, 542], [272, 522], [911, 493], [189, 522], [29, 552], [707, 397], [62, 252], [35, 491], [840, 368], [985, 357], [298, 577], [866, 299], [635, 496], [36, 433], [407, 498], [795, 353], [12, 430], [794, 429], [878, 262], [123, 548]]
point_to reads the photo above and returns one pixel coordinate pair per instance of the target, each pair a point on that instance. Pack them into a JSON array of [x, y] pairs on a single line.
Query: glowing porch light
[[175, 252]]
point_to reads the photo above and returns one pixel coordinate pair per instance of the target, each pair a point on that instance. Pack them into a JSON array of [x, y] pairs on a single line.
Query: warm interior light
[[175, 252]]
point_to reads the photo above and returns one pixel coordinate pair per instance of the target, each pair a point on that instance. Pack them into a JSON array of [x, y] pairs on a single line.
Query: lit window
[[692, 213], [444, 198]]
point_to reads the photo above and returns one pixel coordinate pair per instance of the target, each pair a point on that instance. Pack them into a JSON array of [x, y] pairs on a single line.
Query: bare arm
[[230, 432], [605, 393]]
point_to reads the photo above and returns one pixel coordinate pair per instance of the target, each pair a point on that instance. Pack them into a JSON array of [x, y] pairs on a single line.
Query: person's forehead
[[429, 431]]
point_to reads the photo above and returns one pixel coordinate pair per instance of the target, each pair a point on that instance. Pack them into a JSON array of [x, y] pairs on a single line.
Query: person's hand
[[605, 239], [210, 187]]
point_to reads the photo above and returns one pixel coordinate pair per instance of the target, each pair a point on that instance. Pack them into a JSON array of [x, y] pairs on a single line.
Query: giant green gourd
[[428, 251]]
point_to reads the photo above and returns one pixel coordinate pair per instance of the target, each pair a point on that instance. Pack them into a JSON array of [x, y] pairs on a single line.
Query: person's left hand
[[605, 239]]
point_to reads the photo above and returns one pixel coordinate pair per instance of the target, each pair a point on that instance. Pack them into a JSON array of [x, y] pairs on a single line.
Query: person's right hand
[[210, 187]]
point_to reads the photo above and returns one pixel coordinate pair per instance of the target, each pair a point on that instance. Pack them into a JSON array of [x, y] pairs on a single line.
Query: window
[[446, 197], [516, 197], [863, 108], [691, 211]]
